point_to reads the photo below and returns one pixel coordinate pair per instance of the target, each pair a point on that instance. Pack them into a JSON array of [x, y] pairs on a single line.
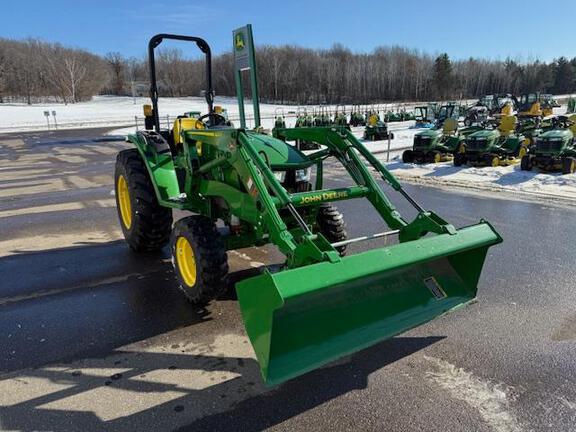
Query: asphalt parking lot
[[96, 338]]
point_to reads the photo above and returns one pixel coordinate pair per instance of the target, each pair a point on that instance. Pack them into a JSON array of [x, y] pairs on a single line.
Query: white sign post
[[47, 115]]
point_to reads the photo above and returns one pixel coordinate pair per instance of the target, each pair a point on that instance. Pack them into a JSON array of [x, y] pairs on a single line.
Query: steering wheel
[[215, 119]]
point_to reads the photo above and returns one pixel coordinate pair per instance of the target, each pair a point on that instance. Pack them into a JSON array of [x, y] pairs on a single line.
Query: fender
[[157, 157]]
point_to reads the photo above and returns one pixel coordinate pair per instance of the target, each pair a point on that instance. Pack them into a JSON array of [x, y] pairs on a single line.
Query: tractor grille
[[548, 146], [421, 141], [476, 144]]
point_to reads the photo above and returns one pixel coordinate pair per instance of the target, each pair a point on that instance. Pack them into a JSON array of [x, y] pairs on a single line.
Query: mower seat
[[450, 126], [507, 110], [507, 125], [572, 127], [183, 124]]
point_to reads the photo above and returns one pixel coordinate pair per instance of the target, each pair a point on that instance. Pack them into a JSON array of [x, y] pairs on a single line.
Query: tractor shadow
[[241, 403], [67, 315], [90, 299], [516, 176]]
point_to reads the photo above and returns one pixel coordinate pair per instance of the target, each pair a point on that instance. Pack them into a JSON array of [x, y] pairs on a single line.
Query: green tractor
[[279, 118], [357, 118], [376, 129], [555, 148], [494, 146], [303, 119], [340, 117], [438, 144], [242, 188]]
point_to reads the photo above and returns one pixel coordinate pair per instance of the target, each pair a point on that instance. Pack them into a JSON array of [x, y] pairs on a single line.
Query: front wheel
[[568, 165], [459, 159], [332, 226], [526, 163], [408, 156], [199, 258]]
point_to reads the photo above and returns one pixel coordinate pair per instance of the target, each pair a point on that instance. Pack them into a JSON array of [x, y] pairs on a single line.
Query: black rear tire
[[459, 159], [526, 163], [332, 226], [208, 256], [568, 165], [151, 223], [408, 156]]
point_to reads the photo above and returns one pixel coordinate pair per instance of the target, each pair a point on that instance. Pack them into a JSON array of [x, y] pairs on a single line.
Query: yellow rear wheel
[[145, 224], [437, 157], [495, 161], [124, 201], [186, 261]]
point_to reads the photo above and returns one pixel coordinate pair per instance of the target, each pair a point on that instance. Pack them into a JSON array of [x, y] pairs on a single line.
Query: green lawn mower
[[320, 305], [438, 144], [376, 129], [357, 117], [555, 148], [304, 119], [494, 146]]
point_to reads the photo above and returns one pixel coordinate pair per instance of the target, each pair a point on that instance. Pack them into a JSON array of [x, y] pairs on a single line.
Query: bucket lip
[[275, 381]]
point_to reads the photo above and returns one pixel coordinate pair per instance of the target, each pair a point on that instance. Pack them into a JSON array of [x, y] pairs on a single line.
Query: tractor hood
[[557, 134], [484, 134], [430, 133], [277, 152]]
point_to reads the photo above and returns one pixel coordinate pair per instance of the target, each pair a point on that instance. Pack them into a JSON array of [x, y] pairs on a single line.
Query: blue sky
[[490, 28]]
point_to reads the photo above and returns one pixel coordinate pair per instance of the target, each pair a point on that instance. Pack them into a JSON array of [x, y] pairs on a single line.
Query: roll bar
[[204, 47]]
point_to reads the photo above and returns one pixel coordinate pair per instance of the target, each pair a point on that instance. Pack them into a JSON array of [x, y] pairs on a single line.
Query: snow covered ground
[[110, 111], [549, 186]]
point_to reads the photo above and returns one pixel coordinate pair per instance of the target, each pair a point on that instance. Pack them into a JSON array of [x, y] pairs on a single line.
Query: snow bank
[[499, 179]]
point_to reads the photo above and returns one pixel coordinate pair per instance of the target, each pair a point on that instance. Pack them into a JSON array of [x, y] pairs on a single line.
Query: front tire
[[145, 223], [408, 156], [568, 165], [459, 159], [199, 258], [526, 163], [332, 226]]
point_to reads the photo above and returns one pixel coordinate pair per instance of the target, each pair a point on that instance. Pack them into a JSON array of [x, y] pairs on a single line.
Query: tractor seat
[[450, 126], [184, 124], [507, 125], [572, 127]]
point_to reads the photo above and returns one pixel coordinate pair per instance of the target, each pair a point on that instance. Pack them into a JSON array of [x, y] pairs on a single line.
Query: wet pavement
[[94, 337]]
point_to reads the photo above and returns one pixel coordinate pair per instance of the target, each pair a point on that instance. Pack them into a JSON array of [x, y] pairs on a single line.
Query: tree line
[[33, 70]]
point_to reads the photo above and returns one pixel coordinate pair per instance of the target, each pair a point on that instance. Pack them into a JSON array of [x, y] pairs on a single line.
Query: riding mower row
[[554, 148], [439, 144], [243, 188], [494, 145]]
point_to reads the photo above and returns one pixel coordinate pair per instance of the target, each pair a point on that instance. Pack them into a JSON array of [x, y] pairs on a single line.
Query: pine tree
[[564, 75], [443, 79]]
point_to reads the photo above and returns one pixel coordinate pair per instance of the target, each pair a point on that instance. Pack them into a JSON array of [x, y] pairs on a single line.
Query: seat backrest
[[507, 124], [507, 110], [572, 118], [373, 120], [183, 124], [450, 126]]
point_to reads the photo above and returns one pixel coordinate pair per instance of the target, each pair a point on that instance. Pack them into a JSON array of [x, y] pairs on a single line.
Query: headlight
[[303, 175], [280, 176]]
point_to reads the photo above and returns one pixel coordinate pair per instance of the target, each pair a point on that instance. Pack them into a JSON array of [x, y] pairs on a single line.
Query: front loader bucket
[[302, 318]]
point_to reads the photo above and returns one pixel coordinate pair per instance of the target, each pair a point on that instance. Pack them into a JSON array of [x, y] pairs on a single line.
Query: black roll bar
[[204, 47]]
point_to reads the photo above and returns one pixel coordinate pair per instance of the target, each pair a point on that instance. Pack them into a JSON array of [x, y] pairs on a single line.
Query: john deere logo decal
[[239, 41]]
